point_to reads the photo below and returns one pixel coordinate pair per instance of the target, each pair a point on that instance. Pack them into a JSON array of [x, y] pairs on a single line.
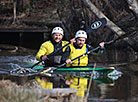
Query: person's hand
[[68, 82], [72, 40], [68, 61], [102, 44], [44, 58]]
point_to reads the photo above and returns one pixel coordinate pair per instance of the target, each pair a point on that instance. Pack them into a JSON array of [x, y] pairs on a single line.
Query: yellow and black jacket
[[49, 47], [73, 51]]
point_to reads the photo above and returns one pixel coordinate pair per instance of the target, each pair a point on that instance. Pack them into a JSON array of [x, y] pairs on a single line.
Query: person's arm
[[42, 51], [99, 52]]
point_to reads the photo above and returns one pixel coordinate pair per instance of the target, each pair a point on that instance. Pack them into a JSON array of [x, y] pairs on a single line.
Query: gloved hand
[[44, 58]]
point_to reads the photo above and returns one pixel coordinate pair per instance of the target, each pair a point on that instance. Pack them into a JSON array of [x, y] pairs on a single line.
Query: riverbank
[[30, 92]]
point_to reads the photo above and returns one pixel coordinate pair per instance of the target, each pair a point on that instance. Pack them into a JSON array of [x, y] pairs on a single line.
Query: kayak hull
[[78, 69]]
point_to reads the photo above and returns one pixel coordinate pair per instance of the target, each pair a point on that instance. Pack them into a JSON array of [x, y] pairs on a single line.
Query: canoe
[[104, 70]]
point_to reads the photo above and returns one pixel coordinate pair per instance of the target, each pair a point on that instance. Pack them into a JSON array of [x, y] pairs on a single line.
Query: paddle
[[106, 43], [94, 26]]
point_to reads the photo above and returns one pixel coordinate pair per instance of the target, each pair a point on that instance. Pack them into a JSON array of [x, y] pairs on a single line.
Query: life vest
[[82, 61], [47, 48]]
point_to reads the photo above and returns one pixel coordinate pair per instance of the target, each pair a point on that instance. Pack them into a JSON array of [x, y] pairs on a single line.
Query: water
[[122, 88], [125, 88]]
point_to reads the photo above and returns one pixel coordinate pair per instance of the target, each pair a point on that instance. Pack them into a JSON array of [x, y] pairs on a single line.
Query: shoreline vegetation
[[31, 92]]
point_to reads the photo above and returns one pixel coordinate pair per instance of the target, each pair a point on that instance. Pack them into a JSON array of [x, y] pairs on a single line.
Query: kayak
[[86, 69], [54, 71], [104, 70]]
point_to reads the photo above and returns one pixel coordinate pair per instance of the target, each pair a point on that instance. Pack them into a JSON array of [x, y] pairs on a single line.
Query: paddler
[[74, 50], [51, 46], [78, 48]]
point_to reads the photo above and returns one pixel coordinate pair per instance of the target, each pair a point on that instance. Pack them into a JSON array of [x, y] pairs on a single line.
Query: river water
[[123, 88]]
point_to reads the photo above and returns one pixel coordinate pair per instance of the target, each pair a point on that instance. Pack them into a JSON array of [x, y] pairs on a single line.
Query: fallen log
[[111, 25]]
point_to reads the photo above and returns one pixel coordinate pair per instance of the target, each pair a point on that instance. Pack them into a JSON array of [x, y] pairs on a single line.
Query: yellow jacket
[[47, 48], [82, 61]]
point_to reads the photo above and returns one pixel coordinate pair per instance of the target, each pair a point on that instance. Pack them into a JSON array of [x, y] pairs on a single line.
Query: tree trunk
[[110, 24], [14, 12]]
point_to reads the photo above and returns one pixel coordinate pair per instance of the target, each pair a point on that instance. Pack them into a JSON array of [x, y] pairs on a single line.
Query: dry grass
[[11, 92]]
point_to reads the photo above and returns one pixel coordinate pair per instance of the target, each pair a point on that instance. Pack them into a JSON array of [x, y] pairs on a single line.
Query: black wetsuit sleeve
[[65, 55]]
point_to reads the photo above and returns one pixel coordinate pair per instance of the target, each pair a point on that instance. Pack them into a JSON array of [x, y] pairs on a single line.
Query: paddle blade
[[96, 25]]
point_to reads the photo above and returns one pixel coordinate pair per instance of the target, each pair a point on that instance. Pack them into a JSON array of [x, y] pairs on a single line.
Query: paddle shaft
[[105, 43], [85, 53]]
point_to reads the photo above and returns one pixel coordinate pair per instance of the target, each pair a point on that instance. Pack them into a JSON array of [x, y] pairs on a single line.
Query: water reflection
[[121, 89], [125, 88], [79, 83]]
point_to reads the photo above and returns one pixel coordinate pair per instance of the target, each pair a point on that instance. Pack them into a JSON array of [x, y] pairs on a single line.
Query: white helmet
[[57, 30], [81, 33]]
